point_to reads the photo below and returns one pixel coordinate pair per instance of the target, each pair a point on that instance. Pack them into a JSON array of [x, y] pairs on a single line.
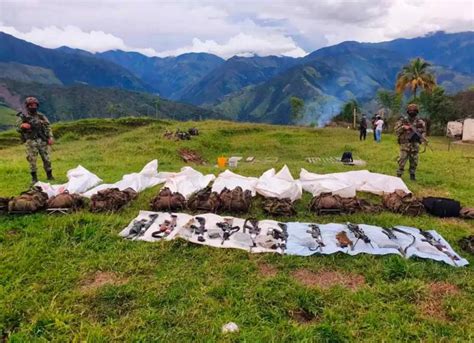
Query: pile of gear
[[111, 199], [328, 203], [181, 135]]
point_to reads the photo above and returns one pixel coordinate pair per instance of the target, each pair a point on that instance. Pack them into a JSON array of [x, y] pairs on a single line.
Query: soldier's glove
[[50, 141], [25, 126]]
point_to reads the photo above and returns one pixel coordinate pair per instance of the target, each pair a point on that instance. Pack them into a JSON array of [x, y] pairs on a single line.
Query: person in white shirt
[[378, 129]]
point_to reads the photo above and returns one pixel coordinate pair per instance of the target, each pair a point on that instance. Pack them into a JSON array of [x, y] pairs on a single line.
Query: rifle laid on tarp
[[359, 234], [199, 230], [389, 232], [429, 238], [253, 229], [315, 232], [281, 235], [139, 227], [227, 229], [166, 227]]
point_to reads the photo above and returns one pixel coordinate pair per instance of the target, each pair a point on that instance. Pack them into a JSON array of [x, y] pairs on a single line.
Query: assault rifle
[[315, 232], [201, 229], [359, 234], [416, 136], [139, 227], [227, 230], [253, 228], [389, 232], [429, 238], [281, 235]]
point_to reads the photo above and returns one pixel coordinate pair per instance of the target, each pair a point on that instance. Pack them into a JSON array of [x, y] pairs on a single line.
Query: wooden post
[[354, 117]]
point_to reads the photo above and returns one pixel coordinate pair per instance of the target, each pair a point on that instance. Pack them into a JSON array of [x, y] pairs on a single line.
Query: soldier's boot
[[412, 177], [49, 174], [34, 178], [399, 174]]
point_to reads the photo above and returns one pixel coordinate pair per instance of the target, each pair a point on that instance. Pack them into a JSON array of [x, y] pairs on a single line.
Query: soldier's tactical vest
[[37, 127], [279, 207], [168, 201], [66, 200], [111, 199], [204, 200], [410, 137], [235, 200], [28, 202], [404, 203]]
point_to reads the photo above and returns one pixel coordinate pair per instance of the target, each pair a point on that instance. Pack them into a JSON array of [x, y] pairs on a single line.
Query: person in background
[[374, 119], [378, 129], [363, 128]]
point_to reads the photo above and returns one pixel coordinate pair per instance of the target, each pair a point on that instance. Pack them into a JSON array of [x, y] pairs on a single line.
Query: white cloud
[[74, 37], [243, 45]]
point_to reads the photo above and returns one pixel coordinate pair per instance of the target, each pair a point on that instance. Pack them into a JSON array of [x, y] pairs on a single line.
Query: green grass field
[[72, 278]]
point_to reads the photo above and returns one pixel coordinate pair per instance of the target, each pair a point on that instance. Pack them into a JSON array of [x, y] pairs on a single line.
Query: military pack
[[204, 200], [442, 207], [236, 200], [28, 202], [279, 207], [404, 203], [111, 199], [467, 244], [66, 201], [467, 212], [169, 201]]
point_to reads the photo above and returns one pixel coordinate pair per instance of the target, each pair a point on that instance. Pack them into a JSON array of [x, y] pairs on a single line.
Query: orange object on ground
[[222, 162]]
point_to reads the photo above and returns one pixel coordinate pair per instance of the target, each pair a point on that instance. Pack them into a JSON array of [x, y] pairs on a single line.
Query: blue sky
[[227, 28]]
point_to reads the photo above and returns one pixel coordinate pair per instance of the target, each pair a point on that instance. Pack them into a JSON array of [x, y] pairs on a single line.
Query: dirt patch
[[432, 306], [302, 316], [100, 279], [267, 270], [328, 279], [13, 233]]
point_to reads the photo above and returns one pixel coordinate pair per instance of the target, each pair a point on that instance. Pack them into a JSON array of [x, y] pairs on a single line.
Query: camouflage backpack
[[279, 207], [326, 203], [66, 200], [4, 205], [168, 201], [235, 200], [28, 202], [404, 203], [111, 199], [467, 244], [204, 200]]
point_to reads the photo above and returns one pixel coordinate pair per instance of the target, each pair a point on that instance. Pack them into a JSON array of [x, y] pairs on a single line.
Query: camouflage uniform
[[36, 139], [409, 149]]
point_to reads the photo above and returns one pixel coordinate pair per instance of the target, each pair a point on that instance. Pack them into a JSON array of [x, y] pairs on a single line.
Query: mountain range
[[243, 88]]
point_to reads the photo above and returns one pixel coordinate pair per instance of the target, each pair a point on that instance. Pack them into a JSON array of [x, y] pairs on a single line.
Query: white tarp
[[231, 180], [347, 183], [146, 178], [279, 185], [407, 241], [187, 181], [80, 180], [468, 130]]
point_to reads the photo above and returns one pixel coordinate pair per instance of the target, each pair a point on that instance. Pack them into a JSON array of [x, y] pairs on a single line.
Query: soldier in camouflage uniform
[[409, 140], [37, 135]]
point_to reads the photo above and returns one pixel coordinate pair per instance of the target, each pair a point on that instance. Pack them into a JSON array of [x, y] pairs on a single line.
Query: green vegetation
[[297, 106], [7, 117], [71, 278]]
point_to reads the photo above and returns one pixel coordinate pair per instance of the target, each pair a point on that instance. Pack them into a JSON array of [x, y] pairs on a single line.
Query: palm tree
[[415, 75]]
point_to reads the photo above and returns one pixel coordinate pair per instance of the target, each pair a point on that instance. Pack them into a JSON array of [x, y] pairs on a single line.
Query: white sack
[[345, 183], [279, 185], [80, 180], [468, 130], [187, 181], [146, 178], [231, 180]]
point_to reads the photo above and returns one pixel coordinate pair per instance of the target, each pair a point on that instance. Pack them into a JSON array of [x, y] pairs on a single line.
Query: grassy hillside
[[27, 73], [81, 101], [7, 117], [71, 278]]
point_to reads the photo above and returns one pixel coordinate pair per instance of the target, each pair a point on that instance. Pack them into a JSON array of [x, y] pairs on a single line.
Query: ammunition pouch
[[235, 200], [279, 207], [28, 202], [204, 200], [111, 199], [168, 201]]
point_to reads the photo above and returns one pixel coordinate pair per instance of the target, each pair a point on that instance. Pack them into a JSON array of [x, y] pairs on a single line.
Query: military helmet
[[31, 100], [412, 108]]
